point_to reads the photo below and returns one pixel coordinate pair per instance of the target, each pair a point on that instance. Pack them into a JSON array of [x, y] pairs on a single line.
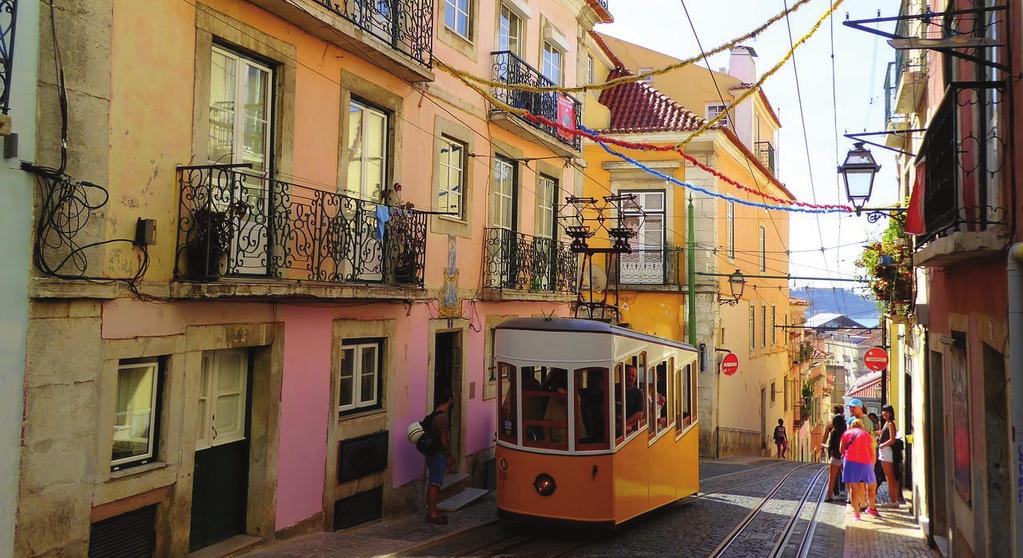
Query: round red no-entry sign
[[876, 359], [730, 364]]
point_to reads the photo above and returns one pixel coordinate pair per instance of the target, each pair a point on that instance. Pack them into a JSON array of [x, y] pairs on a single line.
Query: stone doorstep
[[462, 499], [454, 483], [230, 547]]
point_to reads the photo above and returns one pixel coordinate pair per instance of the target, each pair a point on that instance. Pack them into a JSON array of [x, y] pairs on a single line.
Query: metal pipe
[[1014, 276], [799, 277]]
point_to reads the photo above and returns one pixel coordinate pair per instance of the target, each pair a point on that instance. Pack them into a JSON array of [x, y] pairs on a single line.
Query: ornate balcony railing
[[965, 160], [406, 25], [509, 68], [513, 260], [765, 154], [651, 266], [8, 24], [235, 224]]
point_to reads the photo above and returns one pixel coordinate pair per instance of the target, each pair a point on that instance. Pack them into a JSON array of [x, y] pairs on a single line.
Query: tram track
[[505, 537], [758, 526]]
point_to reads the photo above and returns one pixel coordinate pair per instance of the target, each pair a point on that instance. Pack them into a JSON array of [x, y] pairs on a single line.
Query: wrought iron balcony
[[509, 68], [650, 266], [235, 224], [765, 154], [513, 260], [965, 161], [406, 25], [8, 23]]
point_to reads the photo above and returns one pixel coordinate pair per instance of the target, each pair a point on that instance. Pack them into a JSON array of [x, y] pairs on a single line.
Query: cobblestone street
[[731, 492]]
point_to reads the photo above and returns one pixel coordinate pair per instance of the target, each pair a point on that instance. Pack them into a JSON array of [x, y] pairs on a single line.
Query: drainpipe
[[1014, 274]]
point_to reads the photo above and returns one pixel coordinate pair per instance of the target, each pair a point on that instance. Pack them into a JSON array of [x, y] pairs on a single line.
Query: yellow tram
[[631, 445]]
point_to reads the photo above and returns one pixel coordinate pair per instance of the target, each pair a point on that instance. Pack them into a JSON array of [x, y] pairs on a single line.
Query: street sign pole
[[884, 373]]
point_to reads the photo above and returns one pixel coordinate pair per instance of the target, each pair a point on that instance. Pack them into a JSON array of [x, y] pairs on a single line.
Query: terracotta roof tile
[[638, 107]]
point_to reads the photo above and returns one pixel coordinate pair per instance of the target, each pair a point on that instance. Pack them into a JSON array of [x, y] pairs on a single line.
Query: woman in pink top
[[857, 447]]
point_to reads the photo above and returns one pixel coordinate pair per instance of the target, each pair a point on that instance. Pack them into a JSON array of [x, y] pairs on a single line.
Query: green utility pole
[[691, 265]]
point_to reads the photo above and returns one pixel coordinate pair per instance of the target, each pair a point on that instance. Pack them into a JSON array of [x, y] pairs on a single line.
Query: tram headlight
[[544, 484]]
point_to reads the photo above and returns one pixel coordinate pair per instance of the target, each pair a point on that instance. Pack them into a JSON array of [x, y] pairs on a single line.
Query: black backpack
[[428, 443]]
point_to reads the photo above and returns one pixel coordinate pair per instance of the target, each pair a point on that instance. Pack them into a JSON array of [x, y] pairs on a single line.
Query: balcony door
[[545, 244], [240, 111], [502, 242], [645, 265], [359, 239]]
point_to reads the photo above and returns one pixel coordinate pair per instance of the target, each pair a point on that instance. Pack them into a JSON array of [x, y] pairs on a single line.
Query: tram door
[[447, 374]]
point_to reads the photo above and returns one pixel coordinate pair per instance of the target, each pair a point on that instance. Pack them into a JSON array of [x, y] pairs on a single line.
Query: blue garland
[[688, 186]]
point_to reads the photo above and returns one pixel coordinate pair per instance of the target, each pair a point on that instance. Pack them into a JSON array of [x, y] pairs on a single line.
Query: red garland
[[651, 147]]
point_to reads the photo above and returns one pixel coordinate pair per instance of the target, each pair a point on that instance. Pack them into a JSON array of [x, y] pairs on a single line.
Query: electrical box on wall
[[145, 232]]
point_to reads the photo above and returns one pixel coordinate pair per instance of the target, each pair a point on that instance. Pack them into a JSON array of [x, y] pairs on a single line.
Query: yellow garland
[[760, 82], [623, 79]]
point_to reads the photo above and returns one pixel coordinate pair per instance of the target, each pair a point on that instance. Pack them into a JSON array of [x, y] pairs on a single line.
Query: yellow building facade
[[729, 236]]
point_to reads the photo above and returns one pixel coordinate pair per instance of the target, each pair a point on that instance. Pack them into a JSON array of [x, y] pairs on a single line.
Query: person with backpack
[[437, 448]]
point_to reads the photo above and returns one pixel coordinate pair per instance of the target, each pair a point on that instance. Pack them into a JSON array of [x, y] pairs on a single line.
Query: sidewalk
[[383, 538], [894, 533]]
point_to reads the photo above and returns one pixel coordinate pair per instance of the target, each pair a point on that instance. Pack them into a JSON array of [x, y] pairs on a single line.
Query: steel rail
[[746, 521], [783, 540]]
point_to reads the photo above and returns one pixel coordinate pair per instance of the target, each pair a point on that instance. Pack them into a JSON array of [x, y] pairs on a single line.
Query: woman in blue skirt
[[857, 448]]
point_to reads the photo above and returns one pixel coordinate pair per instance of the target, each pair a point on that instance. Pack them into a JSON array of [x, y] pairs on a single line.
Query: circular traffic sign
[[730, 364], [876, 359]]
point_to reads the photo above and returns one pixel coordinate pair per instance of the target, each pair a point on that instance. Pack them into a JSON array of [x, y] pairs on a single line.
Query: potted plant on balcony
[[889, 271], [209, 239]]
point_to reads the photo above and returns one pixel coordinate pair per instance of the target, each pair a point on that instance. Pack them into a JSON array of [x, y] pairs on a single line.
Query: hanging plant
[[888, 268]]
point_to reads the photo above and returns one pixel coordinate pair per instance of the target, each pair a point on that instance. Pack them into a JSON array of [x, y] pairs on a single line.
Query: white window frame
[[752, 326], [498, 197], [774, 325], [141, 459], [208, 436], [591, 69], [730, 223], [238, 130], [357, 376], [455, 7], [763, 248], [714, 109], [545, 224], [452, 171], [548, 63], [515, 24], [361, 191], [763, 326]]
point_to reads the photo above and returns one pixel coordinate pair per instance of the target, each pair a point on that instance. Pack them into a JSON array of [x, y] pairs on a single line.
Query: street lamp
[[858, 173], [736, 284]]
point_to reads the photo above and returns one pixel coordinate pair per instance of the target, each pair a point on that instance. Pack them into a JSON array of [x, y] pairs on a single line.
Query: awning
[[915, 212]]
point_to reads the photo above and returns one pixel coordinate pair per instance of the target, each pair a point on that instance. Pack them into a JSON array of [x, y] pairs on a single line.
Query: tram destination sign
[[730, 364], [876, 359]]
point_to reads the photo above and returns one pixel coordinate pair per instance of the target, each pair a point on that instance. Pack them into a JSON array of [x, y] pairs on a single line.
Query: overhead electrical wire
[[641, 76]]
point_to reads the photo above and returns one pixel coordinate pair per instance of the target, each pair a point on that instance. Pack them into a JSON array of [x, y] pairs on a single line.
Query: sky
[[861, 60]]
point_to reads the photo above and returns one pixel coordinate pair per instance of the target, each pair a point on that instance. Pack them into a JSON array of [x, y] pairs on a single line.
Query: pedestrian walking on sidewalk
[[858, 468], [438, 460], [856, 411], [781, 438], [886, 453], [833, 436]]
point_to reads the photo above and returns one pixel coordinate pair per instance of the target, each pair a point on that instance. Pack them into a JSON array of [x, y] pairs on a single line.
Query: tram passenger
[[557, 407], [633, 400]]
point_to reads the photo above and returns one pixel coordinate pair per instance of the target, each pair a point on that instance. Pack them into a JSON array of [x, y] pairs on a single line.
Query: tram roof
[[579, 325]]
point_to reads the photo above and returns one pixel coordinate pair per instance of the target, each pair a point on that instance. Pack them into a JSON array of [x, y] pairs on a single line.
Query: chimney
[[741, 64]]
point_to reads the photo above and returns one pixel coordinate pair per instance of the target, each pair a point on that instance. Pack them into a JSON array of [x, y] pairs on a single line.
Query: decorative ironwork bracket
[[861, 137], [875, 214], [948, 44]]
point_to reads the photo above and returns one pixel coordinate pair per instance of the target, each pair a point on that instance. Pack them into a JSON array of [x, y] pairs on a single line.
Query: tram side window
[[659, 398], [619, 405], [687, 396], [507, 427], [635, 393], [545, 407], [591, 428]]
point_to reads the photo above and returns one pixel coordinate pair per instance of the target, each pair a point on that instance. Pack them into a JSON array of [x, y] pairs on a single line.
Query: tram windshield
[[545, 396]]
